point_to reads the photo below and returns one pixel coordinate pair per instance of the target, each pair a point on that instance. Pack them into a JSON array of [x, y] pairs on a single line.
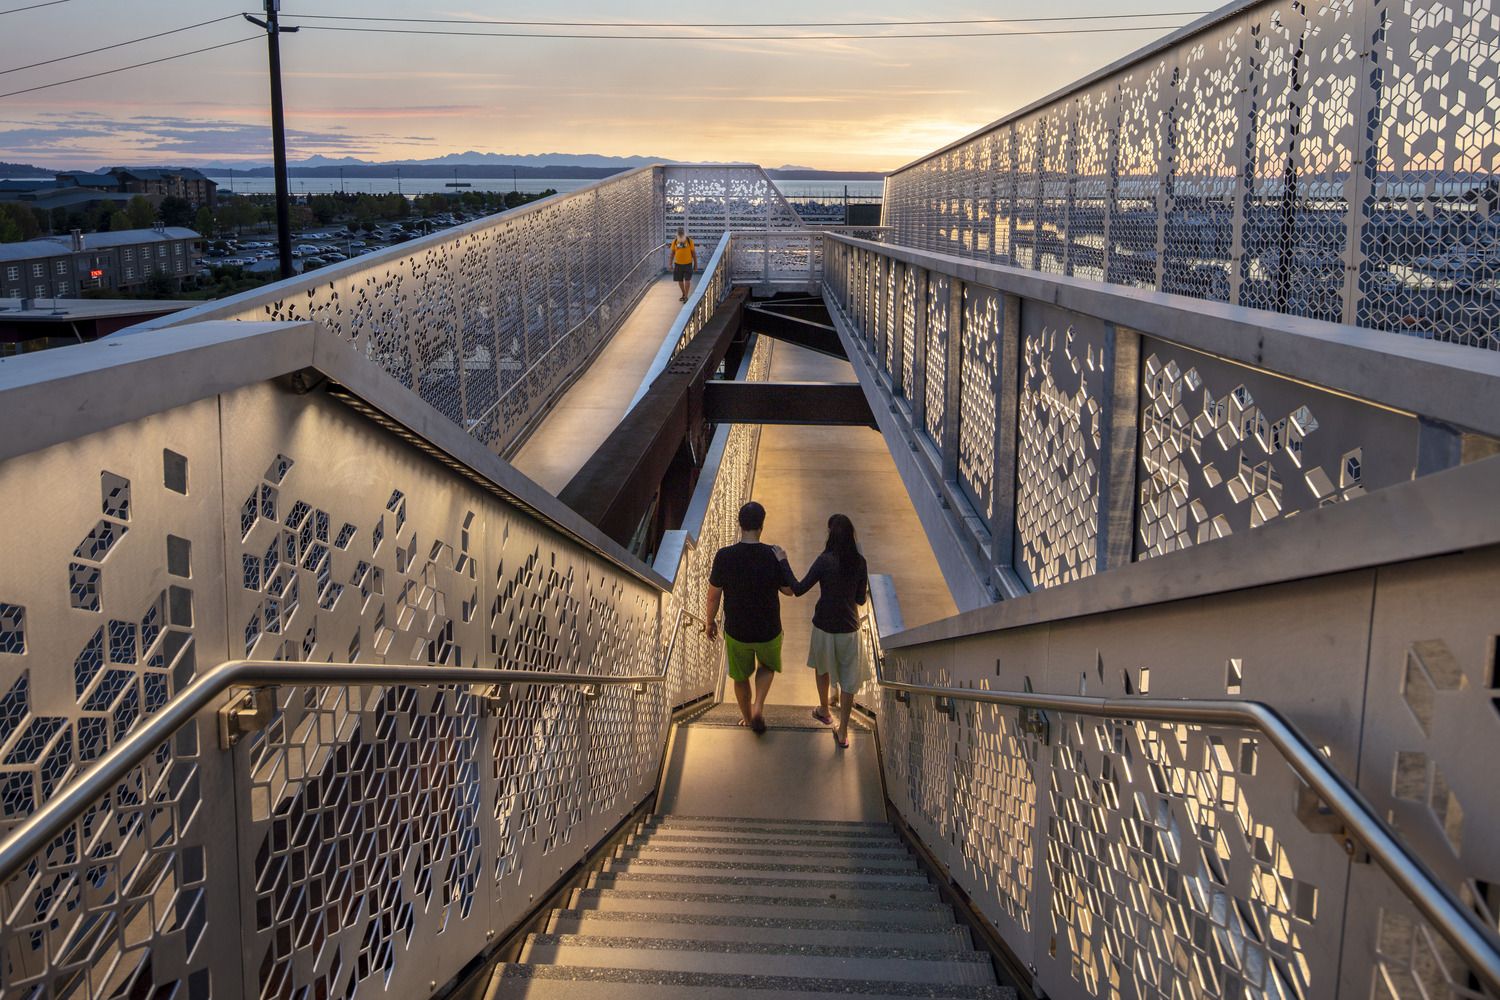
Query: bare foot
[[821, 714], [743, 722]]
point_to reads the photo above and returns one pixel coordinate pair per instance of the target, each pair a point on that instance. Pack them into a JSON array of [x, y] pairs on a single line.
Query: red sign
[[96, 273]]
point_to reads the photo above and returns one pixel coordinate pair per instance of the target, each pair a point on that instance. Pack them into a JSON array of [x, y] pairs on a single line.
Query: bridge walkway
[[805, 473], [578, 422]]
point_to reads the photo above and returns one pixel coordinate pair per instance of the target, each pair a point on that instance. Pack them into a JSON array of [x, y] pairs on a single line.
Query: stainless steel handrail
[[1477, 944], [37, 830]]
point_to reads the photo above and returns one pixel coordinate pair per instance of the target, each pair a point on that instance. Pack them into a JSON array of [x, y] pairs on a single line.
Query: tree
[[140, 213], [176, 211], [119, 222], [158, 286], [18, 222], [204, 222]]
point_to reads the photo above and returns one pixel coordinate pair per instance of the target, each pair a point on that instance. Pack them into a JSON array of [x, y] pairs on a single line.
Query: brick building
[[53, 267]]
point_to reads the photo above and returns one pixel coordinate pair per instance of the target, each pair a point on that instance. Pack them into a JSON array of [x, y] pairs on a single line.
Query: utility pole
[[273, 31]]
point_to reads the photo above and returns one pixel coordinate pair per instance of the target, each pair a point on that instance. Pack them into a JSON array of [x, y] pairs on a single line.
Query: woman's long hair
[[844, 546]]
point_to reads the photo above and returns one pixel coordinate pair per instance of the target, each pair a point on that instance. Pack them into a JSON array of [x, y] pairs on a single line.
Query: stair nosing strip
[[709, 980], [936, 906], [753, 948], [769, 923]]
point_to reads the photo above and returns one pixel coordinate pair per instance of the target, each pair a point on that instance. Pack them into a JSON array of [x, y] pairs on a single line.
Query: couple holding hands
[[748, 578]]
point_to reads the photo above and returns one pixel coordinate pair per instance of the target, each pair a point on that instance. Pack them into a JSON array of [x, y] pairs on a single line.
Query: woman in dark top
[[841, 574]]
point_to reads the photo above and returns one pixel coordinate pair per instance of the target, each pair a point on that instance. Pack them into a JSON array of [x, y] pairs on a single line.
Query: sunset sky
[[833, 104]]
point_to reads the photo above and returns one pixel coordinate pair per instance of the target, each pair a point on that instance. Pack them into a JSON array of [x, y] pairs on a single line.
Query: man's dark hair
[[752, 517]]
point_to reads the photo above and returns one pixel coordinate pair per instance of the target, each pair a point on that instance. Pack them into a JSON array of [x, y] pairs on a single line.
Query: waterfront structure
[[308, 687], [75, 188]]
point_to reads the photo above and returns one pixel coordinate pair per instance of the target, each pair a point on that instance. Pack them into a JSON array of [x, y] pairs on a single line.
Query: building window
[[62, 267], [130, 274], [64, 289], [130, 255], [39, 292], [12, 274], [38, 269], [161, 252]]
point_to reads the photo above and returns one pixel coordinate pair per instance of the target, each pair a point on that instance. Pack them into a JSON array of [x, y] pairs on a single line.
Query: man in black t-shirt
[[749, 578]]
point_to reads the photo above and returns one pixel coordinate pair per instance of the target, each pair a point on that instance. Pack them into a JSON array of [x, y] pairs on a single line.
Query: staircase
[[721, 907]]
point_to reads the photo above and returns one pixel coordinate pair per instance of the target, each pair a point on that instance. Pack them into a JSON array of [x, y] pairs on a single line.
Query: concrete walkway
[[804, 474], [591, 408]]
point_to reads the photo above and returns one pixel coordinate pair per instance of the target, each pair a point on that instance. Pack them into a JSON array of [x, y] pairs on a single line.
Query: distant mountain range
[[19, 171], [470, 164]]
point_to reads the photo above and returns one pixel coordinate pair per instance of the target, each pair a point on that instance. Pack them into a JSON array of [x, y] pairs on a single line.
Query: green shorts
[[741, 656]]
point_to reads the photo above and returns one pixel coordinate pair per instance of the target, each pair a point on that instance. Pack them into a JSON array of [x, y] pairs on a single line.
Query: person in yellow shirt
[[684, 260]]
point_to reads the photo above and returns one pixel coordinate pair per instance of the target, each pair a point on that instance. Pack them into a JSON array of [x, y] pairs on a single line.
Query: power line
[[121, 69], [35, 6], [740, 24], [117, 45], [738, 38]]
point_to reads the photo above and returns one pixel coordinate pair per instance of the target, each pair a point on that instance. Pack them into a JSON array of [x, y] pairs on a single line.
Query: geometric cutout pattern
[[1226, 448], [1146, 868], [979, 374], [113, 866], [1332, 161], [936, 373], [1059, 452]]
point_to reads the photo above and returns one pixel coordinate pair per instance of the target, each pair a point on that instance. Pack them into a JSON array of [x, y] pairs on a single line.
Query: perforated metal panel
[[1227, 448], [1064, 402], [979, 376], [369, 839], [118, 611], [1336, 161], [1135, 860]]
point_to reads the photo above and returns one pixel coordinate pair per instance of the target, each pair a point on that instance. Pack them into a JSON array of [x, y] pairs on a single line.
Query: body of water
[[820, 189]]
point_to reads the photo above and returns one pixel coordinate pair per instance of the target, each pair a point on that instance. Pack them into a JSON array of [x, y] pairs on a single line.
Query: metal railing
[[703, 301], [31, 835], [363, 526], [485, 321], [774, 260], [1065, 427], [1262, 156], [1362, 828]]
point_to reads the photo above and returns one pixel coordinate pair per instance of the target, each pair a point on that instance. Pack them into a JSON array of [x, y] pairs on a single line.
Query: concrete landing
[[780, 774], [804, 474], [579, 422]]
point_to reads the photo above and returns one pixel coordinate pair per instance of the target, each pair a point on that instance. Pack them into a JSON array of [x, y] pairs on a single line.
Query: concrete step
[[811, 961], [900, 908], [790, 930], [530, 982], [816, 827], [869, 874], [689, 853], [827, 887], [854, 841]]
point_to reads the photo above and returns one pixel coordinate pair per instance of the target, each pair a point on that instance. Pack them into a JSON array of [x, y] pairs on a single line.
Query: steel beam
[[807, 328], [615, 487], [833, 403]]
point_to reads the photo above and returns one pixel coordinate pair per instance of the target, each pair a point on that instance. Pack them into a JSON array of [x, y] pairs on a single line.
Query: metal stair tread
[[699, 984]]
